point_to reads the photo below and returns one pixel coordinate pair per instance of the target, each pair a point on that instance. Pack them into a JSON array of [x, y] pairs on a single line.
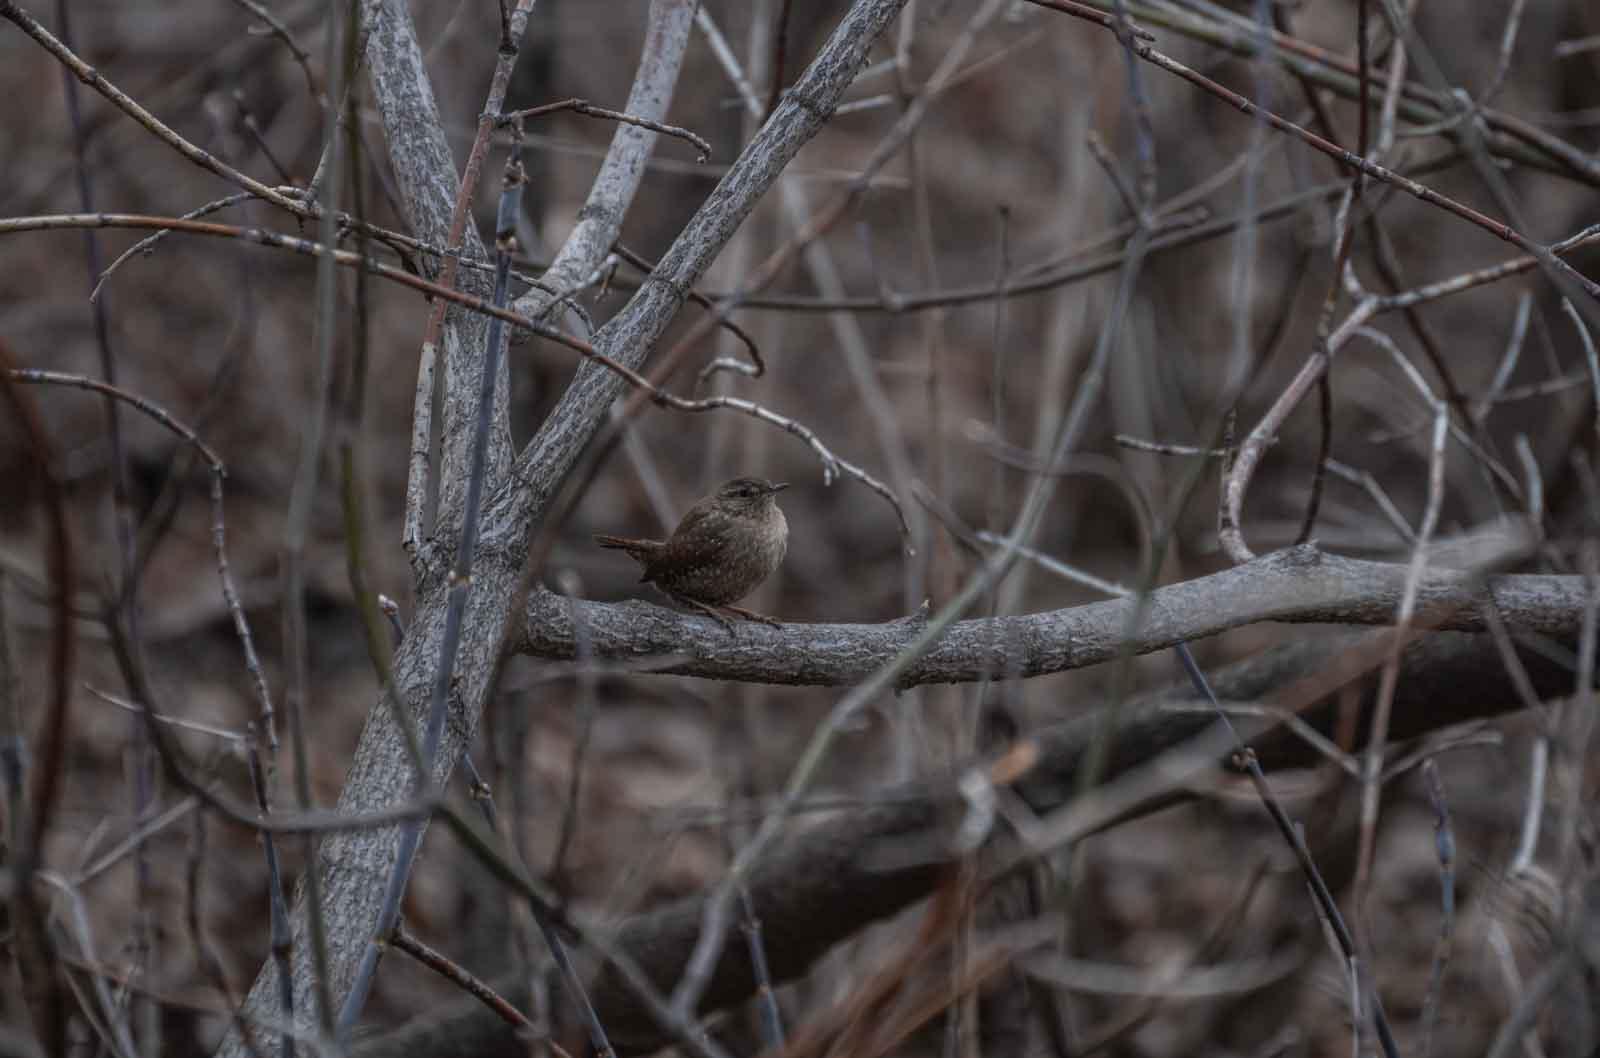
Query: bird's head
[[749, 494]]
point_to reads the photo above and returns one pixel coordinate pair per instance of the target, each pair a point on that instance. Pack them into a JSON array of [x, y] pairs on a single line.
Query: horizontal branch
[[1301, 585], [847, 870]]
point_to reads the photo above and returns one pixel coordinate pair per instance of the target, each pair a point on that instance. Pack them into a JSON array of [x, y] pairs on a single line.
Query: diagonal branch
[[630, 336], [600, 219], [425, 171], [352, 865]]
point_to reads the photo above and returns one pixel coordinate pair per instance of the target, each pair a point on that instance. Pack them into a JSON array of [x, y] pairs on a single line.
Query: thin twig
[[464, 979], [588, 109], [122, 101], [1445, 848], [1294, 836], [1499, 229], [277, 28]]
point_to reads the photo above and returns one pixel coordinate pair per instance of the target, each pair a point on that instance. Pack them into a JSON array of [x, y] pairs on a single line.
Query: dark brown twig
[[1501, 230], [588, 109], [37, 951], [464, 979]]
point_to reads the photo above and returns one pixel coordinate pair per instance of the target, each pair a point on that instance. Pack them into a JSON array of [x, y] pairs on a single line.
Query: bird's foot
[[751, 615], [723, 614], [713, 612]]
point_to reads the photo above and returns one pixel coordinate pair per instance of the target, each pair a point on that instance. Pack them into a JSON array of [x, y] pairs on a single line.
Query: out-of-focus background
[[999, 186]]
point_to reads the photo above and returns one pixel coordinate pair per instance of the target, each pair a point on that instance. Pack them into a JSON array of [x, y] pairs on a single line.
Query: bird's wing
[[696, 541]]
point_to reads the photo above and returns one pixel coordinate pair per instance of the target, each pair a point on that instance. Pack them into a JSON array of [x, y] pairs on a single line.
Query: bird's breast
[[721, 560]]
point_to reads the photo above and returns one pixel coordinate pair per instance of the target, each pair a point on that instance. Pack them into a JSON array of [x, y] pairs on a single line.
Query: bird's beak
[[777, 486]]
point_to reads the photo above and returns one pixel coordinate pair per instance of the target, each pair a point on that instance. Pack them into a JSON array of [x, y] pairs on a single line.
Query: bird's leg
[[720, 614], [751, 615], [713, 612]]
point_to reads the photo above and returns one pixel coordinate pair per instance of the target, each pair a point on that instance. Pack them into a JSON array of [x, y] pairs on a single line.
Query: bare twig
[[588, 109], [122, 101], [1445, 847]]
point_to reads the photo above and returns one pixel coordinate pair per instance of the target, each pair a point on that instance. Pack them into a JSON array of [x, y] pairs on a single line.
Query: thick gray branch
[[425, 171], [424, 166], [352, 866], [631, 335], [834, 878], [1302, 585], [600, 220]]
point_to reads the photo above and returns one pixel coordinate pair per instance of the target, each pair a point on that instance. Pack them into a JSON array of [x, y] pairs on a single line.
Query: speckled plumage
[[725, 546]]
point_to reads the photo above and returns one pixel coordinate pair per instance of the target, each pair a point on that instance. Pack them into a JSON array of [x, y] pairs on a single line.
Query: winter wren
[[723, 548]]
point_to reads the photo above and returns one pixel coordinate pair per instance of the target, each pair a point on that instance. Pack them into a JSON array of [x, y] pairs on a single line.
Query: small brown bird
[[723, 548]]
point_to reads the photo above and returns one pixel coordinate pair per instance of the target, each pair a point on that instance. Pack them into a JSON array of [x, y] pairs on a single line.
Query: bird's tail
[[640, 550]]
